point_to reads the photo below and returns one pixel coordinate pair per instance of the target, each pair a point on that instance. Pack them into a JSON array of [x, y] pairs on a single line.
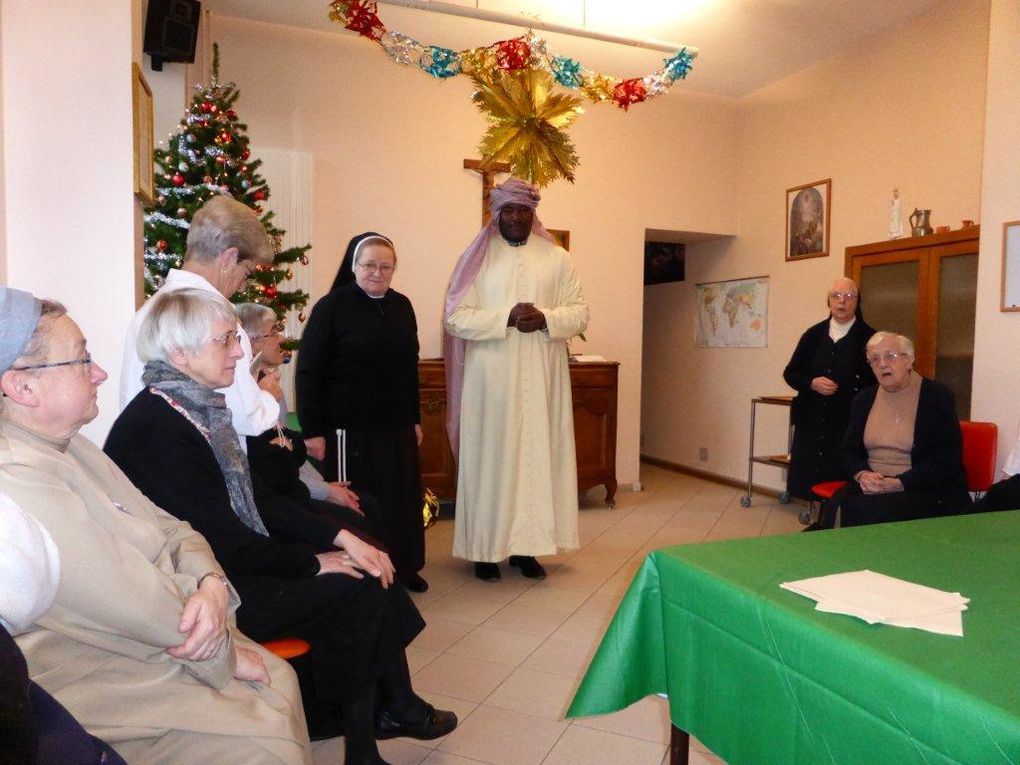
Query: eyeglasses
[[226, 340], [85, 361], [848, 295], [888, 357], [382, 268], [276, 331]]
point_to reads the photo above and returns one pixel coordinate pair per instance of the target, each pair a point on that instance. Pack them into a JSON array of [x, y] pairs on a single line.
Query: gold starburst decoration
[[528, 124]]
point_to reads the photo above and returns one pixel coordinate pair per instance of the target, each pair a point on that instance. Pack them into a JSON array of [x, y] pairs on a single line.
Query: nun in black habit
[[357, 390], [827, 370]]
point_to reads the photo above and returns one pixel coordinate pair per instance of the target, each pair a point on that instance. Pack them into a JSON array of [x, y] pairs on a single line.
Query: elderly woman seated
[[176, 442], [278, 458], [138, 644], [903, 447]]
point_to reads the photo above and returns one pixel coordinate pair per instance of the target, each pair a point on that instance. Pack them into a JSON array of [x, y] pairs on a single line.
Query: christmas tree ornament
[[245, 154], [231, 114], [271, 291], [178, 179], [182, 166], [182, 212], [301, 317], [207, 179], [304, 260], [161, 245], [259, 195], [289, 275], [527, 125], [207, 106]]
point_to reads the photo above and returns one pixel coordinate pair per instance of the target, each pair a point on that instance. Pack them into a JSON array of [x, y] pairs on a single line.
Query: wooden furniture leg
[[679, 746]]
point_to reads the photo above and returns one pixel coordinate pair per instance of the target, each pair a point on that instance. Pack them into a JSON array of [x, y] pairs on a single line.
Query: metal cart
[[776, 460]]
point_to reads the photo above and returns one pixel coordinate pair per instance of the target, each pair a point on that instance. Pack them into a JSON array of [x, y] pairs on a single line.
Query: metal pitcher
[[919, 223]]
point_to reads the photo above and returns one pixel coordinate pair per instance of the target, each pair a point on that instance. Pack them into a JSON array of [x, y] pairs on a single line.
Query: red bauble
[[214, 108], [245, 154], [231, 114], [207, 106], [161, 245], [259, 195], [178, 179], [226, 137], [271, 291]]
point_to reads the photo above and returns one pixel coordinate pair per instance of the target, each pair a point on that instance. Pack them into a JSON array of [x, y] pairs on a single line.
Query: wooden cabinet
[[594, 387], [925, 287]]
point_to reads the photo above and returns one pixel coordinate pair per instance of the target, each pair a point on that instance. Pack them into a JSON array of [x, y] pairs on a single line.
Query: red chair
[[288, 648], [980, 449], [822, 492]]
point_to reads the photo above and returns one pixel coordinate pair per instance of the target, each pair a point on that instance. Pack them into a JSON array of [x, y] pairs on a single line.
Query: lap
[[178, 747]]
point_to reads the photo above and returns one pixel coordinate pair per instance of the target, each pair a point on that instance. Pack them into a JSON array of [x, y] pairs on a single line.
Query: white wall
[[891, 113], [388, 143], [68, 174], [996, 361]]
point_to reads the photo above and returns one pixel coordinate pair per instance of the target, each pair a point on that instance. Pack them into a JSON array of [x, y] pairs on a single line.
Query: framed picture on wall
[[1011, 266], [807, 220], [141, 96]]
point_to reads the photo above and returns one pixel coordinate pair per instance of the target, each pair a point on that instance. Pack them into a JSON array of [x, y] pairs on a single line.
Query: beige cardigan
[[127, 568]]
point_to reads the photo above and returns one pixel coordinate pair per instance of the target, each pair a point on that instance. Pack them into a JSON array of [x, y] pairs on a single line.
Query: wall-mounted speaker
[[171, 31]]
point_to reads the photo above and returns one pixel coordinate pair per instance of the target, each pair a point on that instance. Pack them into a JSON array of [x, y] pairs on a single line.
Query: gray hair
[[222, 223], [35, 348], [252, 315], [181, 320], [906, 345], [374, 239]]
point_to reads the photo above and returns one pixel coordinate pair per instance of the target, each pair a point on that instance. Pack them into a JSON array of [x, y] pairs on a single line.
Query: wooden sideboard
[[594, 386]]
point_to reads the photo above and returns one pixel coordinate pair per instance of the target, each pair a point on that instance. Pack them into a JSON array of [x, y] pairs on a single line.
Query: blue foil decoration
[[567, 71], [679, 65], [444, 62]]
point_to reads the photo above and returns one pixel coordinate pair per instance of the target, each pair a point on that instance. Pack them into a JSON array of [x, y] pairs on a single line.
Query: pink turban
[[512, 192]]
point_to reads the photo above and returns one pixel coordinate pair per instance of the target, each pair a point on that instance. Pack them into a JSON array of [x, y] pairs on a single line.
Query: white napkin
[[880, 599]]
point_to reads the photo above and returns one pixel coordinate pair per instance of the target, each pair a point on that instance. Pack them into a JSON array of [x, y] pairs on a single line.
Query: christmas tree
[[209, 155]]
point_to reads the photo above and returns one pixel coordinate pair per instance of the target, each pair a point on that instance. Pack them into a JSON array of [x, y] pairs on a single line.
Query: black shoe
[[529, 567], [416, 583], [487, 572], [433, 724]]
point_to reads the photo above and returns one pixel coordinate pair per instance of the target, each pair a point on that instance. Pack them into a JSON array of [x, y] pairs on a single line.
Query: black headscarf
[[345, 275]]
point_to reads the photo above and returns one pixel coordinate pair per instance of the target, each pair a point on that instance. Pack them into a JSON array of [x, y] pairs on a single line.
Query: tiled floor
[[507, 656]]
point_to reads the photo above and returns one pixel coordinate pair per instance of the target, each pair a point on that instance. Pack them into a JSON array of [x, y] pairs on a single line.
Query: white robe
[[517, 477]]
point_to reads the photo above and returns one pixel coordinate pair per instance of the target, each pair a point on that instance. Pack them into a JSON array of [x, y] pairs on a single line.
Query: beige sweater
[[889, 432]]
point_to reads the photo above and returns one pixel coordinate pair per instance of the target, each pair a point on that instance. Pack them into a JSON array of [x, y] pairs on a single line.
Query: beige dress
[[127, 569], [517, 474]]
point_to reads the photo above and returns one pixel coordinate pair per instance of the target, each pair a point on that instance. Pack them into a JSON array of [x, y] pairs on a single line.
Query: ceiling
[[745, 44]]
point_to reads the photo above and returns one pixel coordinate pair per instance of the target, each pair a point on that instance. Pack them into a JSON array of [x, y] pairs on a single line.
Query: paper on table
[[877, 598], [583, 357]]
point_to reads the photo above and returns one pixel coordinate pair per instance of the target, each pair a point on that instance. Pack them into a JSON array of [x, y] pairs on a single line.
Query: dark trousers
[[354, 626], [860, 509]]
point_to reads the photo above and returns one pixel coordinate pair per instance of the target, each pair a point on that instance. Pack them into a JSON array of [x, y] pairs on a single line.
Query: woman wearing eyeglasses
[[295, 573], [827, 370], [357, 391], [903, 449]]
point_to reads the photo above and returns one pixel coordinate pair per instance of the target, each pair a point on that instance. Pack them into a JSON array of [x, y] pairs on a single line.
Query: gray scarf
[[208, 410]]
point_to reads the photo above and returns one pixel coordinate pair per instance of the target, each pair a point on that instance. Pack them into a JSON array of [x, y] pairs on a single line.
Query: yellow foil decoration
[[527, 124]]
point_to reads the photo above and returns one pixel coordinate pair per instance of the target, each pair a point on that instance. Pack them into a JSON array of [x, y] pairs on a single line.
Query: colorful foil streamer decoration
[[444, 62], [567, 71], [512, 55], [679, 66], [525, 52], [362, 17], [629, 92]]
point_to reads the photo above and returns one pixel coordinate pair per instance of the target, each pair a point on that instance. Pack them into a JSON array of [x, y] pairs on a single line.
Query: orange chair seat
[[827, 489], [288, 648]]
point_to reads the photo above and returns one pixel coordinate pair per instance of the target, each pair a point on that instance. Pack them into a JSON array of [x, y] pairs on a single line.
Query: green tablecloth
[[761, 677]]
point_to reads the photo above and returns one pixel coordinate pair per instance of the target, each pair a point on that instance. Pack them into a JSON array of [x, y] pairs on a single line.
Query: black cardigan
[[170, 462], [358, 364], [937, 455]]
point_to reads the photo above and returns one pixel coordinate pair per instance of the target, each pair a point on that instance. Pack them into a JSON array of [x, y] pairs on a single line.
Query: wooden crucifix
[[488, 171]]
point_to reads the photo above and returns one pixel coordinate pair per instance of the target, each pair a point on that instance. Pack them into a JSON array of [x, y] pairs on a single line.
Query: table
[[761, 677]]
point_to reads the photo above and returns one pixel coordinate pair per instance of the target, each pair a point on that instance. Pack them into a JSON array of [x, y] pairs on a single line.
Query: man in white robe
[[513, 303]]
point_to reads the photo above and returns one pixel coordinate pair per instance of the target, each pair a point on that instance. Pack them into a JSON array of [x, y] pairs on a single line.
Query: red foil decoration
[[629, 92], [513, 54], [362, 17]]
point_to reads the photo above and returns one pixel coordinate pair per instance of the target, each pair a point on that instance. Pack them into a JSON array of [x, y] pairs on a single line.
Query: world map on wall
[[732, 314]]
